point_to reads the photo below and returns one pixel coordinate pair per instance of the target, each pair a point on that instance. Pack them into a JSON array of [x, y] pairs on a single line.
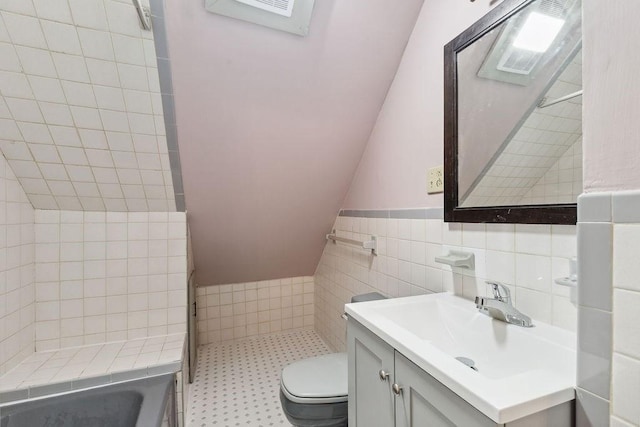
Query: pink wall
[[272, 126], [408, 136], [612, 89]]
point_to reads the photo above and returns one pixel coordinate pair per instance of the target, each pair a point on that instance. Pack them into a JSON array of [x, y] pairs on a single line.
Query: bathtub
[[145, 402]]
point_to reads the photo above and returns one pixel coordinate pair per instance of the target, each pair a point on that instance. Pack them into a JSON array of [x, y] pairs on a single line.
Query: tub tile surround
[[245, 310], [75, 368], [81, 108], [17, 271], [112, 276], [527, 257]]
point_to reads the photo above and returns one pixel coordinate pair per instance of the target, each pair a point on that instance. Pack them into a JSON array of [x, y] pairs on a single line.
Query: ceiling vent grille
[[280, 7], [280, 15]]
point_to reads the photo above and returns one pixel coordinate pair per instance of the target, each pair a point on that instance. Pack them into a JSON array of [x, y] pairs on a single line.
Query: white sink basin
[[520, 371]]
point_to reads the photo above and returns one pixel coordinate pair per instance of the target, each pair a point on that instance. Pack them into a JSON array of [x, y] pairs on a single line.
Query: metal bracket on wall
[[144, 14]]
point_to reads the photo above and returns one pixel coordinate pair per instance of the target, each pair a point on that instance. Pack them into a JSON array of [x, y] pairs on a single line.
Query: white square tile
[[501, 237], [103, 73], [19, 6], [47, 89], [128, 50], [533, 239], [95, 139], [109, 98], [145, 143], [62, 188], [15, 85], [9, 59], [142, 123], [53, 172], [86, 189], [501, 266], [44, 153], [89, 14], [24, 30], [99, 158], [24, 110], [150, 56], [80, 94], [626, 268], [73, 156], [88, 118], [65, 135], [61, 37], [15, 150], [35, 132], [96, 44], [138, 102], [537, 305], [125, 160], [154, 81], [147, 161], [626, 318], [10, 130], [119, 141], [533, 272], [129, 176], [105, 175], [80, 173], [625, 388], [122, 18], [56, 114], [71, 67], [133, 77], [25, 169], [91, 204], [115, 121], [54, 10]]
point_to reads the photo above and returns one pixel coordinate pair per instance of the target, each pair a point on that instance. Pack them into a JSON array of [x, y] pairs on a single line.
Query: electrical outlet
[[435, 182]]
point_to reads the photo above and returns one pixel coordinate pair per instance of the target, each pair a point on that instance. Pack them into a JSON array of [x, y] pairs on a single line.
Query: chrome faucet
[[500, 306]]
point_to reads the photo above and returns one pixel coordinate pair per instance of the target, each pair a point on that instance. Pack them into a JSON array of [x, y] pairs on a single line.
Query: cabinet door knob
[[383, 375], [396, 389]]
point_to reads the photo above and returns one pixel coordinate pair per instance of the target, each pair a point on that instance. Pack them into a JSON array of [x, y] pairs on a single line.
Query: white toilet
[[313, 392]]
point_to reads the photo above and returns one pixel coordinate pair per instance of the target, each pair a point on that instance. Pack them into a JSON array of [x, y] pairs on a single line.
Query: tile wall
[[562, 182], [528, 257], [17, 270], [241, 310], [609, 332], [625, 392], [81, 112], [109, 276]]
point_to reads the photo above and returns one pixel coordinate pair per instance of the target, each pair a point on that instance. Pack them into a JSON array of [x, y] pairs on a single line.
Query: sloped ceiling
[[271, 128]]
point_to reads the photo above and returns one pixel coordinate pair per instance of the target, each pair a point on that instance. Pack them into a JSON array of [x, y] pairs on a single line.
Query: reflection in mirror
[[520, 109]]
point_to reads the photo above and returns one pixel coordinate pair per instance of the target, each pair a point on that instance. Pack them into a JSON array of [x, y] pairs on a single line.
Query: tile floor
[[237, 383]]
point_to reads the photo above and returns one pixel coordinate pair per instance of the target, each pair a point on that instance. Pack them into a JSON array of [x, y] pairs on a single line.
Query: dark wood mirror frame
[[521, 214]]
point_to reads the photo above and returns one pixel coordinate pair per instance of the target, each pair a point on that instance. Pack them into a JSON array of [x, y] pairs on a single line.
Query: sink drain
[[469, 362]]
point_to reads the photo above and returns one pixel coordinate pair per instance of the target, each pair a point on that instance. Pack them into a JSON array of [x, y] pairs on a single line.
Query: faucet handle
[[500, 291]]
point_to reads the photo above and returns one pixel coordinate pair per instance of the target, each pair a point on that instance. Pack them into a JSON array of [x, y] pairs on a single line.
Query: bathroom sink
[[517, 371]]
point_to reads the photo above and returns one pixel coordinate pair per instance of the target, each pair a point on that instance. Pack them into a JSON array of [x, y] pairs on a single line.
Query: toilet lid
[[321, 379]]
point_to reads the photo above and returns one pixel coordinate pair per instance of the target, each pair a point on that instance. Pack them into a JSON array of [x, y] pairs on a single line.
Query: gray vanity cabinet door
[[371, 402], [425, 402]]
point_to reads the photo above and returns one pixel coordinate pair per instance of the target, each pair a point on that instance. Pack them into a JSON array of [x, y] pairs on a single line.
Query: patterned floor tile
[[237, 384]]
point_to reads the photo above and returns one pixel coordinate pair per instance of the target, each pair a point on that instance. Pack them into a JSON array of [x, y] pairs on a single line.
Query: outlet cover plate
[[435, 181]]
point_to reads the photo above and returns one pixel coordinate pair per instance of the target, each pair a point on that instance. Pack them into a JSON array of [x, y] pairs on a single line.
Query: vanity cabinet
[[386, 389]]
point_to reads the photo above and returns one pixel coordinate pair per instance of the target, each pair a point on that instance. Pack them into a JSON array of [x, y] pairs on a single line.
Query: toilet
[[313, 391]]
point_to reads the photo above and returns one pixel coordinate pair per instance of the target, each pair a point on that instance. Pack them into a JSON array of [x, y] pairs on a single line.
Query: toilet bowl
[[313, 391]]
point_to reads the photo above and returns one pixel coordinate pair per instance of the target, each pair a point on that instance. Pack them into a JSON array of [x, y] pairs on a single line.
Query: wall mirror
[[513, 115]]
